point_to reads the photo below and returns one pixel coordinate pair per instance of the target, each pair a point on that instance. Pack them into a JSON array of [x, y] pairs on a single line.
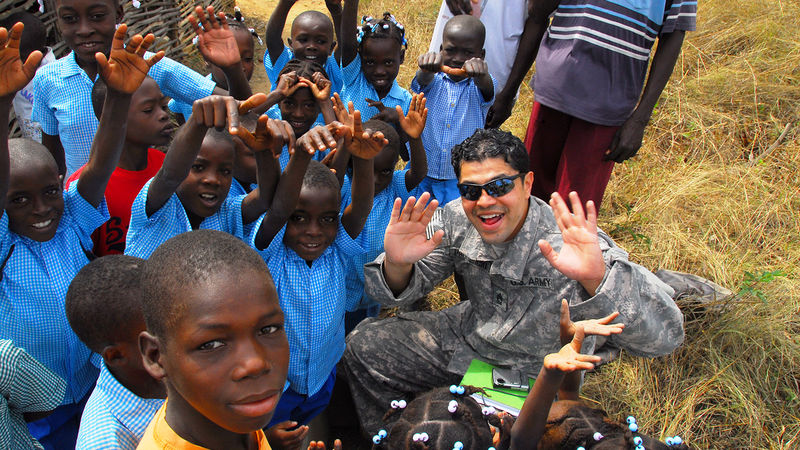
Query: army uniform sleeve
[[653, 322]]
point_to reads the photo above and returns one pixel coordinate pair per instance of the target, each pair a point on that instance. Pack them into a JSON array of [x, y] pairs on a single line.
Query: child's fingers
[[607, 319], [350, 108], [155, 58], [337, 444], [577, 340], [134, 43], [145, 44], [357, 126], [117, 43], [32, 63], [232, 110], [222, 20], [252, 102], [11, 38], [102, 64]]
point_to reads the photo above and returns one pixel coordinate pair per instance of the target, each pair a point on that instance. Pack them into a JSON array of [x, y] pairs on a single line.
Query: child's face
[[459, 46], [300, 110], [34, 201], [383, 166], [313, 226], [148, 116], [380, 62], [244, 40], [227, 356], [209, 179], [312, 40], [87, 26]]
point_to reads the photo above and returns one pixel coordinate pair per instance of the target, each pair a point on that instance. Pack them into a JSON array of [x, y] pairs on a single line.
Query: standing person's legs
[[582, 168], [389, 359], [545, 138]]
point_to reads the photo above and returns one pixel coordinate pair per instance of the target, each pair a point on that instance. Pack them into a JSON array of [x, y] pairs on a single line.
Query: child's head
[[214, 334], [313, 225], [312, 37], [244, 168], [571, 424], [462, 40], [382, 46], [301, 108], [430, 413], [206, 187], [88, 26], [149, 123], [244, 40], [34, 202], [104, 308], [385, 162], [35, 35]]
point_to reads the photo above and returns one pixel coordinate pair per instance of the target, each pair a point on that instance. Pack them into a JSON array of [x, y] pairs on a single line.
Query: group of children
[[299, 181]]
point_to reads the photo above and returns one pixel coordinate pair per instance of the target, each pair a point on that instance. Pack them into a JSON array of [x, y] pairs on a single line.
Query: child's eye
[[52, 191], [98, 16], [21, 200], [147, 110], [197, 167], [270, 329], [386, 171], [211, 345], [297, 218], [225, 171], [327, 220], [69, 19]]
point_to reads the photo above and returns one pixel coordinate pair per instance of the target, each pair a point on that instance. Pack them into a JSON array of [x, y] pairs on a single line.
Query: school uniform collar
[[395, 92], [123, 404], [511, 264], [71, 68]]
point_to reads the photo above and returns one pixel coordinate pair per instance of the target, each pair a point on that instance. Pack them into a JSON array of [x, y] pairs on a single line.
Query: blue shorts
[[442, 190], [300, 407], [60, 428]]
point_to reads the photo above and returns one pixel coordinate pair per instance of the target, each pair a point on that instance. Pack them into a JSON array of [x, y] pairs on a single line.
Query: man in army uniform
[[519, 258]]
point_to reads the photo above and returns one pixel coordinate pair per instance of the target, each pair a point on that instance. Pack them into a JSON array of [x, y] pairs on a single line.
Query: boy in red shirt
[[149, 125]]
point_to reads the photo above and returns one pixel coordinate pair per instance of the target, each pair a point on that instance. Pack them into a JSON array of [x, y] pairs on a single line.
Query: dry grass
[[700, 200]]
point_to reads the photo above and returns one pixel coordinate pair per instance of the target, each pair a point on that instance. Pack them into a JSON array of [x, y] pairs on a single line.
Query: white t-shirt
[[23, 105]]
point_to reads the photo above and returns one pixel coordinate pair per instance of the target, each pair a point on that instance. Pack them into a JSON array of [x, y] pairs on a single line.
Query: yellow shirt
[[159, 435]]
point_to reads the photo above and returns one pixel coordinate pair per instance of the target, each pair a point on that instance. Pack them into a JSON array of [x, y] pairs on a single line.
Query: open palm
[[126, 67], [414, 122], [405, 241], [14, 75]]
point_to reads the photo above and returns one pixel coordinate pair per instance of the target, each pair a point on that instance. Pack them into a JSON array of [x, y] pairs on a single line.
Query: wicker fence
[[166, 19]]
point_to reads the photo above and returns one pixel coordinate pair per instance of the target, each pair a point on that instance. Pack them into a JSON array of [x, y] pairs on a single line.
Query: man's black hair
[[34, 37], [303, 68], [491, 143], [185, 263], [104, 300]]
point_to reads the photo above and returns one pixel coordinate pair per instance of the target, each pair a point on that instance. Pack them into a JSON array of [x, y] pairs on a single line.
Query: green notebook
[[479, 375]]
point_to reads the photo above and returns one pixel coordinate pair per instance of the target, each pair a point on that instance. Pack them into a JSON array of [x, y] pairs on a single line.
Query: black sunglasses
[[495, 188]]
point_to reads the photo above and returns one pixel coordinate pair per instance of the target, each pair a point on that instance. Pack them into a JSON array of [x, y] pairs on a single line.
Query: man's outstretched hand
[[126, 67], [580, 258], [405, 241], [14, 75]]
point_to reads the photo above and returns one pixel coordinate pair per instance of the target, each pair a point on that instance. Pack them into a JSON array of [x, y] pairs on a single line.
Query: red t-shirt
[[123, 187]]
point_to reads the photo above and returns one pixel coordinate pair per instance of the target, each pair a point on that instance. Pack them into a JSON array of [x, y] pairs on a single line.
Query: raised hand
[[319, 85], [217, 110], [14, 75], [414, 122], [476, 68], [270, 134], [320, 138], [320, 445], [289, 83], [405, 241], [570, 358], [215, 39], [430, 62], [364, 144], [591, 327], [580, 258], [282, 436], [385, 114], [458, 7], [126, 67]]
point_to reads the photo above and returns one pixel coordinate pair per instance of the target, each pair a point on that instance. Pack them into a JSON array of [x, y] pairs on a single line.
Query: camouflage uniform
[[511, 320]]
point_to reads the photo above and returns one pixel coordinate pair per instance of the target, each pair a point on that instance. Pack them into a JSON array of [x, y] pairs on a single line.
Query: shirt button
[[448, 125], [452, 104]]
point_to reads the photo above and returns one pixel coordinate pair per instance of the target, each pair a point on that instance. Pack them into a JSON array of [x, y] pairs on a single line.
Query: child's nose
[[254, 361]]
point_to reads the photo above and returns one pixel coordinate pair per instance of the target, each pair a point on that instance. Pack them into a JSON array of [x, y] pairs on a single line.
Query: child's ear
[[150, 348], [113, 355], [483, 53], [402, 55], [289, 41], [333, 47]]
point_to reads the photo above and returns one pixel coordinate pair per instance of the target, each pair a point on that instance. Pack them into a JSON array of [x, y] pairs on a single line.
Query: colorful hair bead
[[597, 436], [453, 389], [677, 440], [420, 437], [633, 427], [452, 406], [458, 445], [637, 440], [631, 419], [383, 433], [376, 439], [488, 410]]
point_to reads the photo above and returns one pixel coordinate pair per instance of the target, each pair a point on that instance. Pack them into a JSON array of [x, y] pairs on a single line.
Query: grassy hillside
[[714, 192]]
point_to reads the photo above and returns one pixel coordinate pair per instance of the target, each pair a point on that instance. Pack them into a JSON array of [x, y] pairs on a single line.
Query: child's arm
[[335, 8], [271, 134], [363, 146], [14, 75], [413, 124], [218, 46], [288, 83], [342, 155], [429, 63], [321, 90], [288, 192], [123, 73], [274, 34], [478, 70], [211, 111], [348, 41]]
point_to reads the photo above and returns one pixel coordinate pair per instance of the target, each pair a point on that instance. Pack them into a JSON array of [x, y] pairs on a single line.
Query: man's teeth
[[490, 216], [44, 224]]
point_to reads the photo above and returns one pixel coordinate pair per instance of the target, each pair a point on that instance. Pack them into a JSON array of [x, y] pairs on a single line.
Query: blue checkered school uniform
[[114, 416], [35, 278], [371, 237], [183, 108], [357, 89], [275, 113], [455, 111], [314, 301], [63, 106], [331, 67], [145, 234]]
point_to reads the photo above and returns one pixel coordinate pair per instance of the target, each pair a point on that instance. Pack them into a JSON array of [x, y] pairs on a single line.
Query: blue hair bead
[[458, 445], [460, 390], [637, 440], [453, 389], [491, 448], [633, 427], [669, 441], [631, 419], [597, 436], [639, 447], [580, 448], [383, 434], [677, 440], [376, 439]]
